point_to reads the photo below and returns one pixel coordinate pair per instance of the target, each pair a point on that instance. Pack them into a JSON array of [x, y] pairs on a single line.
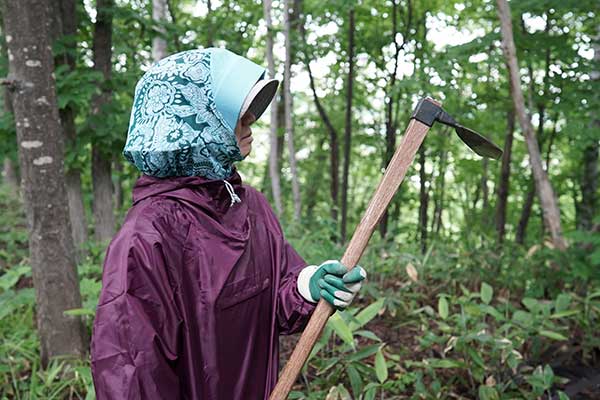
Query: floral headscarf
[[184, 113]]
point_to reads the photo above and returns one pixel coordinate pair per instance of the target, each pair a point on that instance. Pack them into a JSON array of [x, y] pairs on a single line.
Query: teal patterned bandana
[[184, 113]]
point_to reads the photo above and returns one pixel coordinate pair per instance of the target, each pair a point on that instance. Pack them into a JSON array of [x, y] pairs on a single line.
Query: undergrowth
[[457, 322]]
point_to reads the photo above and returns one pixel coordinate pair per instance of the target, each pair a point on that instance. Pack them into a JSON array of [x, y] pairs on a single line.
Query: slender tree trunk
[[9, 175], [391, 99], [65, 24], [589, 187], [333, 148], [423, 199], [588, 208], [312, 191], [41, 155], [543, 186], [74, 193], [288, 112], [503, 185], [484, 188], [159, 16], [104, 216], [210, 35], [436, 223], [118, 184], [9, 171], [348, 131], [273, 164], [333, 135], [525, 214]]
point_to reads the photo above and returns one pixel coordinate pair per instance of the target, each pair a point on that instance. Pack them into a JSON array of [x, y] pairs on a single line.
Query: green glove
[[332, 282]]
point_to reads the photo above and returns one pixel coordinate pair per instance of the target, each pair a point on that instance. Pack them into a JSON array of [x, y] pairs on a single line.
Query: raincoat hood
[[209, 197], [184, 114]]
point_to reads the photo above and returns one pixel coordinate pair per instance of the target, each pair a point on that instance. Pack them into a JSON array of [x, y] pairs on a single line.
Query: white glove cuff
[[304, 281]]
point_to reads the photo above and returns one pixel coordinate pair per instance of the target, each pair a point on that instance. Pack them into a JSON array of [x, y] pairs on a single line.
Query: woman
[[199, 282]]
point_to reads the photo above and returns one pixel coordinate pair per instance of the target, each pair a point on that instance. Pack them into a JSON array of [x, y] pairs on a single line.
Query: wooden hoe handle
[[394, 174]]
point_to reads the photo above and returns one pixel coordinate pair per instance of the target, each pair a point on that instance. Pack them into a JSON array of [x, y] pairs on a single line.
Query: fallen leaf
[[412, 272], [532, 250]]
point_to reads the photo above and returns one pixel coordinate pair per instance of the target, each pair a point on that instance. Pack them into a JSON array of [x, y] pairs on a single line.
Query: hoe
[[424, 116]]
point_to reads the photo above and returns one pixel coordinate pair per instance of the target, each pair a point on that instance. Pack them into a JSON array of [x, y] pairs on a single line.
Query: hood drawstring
[[232, 194]]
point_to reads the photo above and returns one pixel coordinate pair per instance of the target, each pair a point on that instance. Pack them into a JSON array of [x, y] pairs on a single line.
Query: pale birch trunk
[[348, 128], [159, 43], [544, 188], [288, 113], [273, 164]]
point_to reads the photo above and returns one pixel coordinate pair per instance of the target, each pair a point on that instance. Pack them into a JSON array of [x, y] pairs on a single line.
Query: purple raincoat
[[195, 294]]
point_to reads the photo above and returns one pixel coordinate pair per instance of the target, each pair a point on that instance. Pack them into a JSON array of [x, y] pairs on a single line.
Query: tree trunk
[[289, 128], [273, 164], [542, 183], [348, 130], [159, 16], [525, 214], [288, 112], [312, 191], [484, 188], [41, 155], [588, 208], [503, 184], [333, 149], [9, 175], [104, 217], [118, 184], [390, 120], [209, 28], [333, 136], [65, 24], [423, 200], [436, 223]]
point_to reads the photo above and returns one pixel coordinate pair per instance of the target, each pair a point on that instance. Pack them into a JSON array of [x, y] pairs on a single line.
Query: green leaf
[[562, 302], [328, 365], [488, 393], [343, 393], [363, 353], [531, 304], [476, 357], [486, 293], [490, 310], [368, 335], [445, 363], [370, 394], [553, 335], [563, 314], [341, 328], [11, 276], [443, 307], [367, 314], [79, 311], [548, 376], [562, 396], [381, 369], [355, 380]]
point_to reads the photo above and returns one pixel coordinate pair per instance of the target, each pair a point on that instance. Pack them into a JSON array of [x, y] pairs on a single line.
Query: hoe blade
[[478, 143]]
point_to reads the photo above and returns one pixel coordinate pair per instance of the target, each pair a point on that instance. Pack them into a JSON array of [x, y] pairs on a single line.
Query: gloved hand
[[331, 281]]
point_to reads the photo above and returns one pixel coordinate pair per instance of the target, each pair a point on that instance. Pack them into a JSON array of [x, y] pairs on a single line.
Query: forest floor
[[456, 323]]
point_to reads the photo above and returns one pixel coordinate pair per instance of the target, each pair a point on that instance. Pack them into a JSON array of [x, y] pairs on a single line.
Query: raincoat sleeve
[[134, 340], [293, 311]]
